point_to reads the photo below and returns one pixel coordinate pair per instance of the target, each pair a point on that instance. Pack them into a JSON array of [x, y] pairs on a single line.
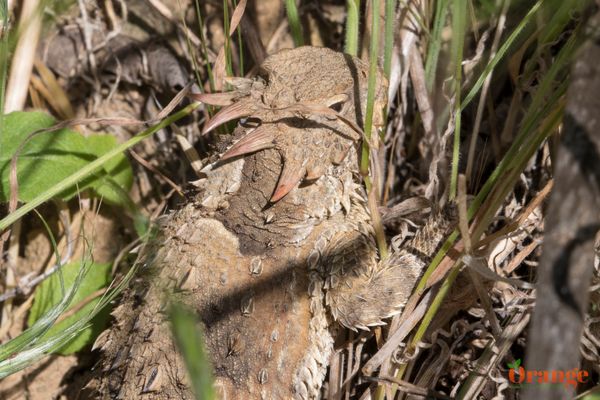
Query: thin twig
[[87, 300], [155, 170], [409, 388]]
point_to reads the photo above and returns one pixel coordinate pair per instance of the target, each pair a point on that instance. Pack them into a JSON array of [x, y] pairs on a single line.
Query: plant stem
[[373, 55], [351, 45], [228, 66], [459, 22], [294, 21], [390, 8]]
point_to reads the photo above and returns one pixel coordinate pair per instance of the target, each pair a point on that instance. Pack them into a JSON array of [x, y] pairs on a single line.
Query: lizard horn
[[291, 175], [259, 139], [234, 111], [314, 172]]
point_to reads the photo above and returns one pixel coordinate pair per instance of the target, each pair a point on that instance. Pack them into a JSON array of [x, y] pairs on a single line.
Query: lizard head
[[309, 103]]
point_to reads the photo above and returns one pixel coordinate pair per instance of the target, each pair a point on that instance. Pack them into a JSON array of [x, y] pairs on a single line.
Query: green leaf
[[45, 160], [48, 158], [50, 292], [141, 223], [116, 182]]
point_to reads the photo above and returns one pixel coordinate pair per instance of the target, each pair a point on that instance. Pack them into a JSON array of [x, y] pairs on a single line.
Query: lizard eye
[[337, 102], [250, 122], [177, 87], [337, 107]]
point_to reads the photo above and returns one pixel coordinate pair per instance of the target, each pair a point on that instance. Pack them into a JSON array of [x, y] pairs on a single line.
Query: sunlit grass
[[294, 22], [352, 27], [459, 27]]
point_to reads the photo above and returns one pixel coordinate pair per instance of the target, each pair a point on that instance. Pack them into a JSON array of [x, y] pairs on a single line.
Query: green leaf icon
[[515, 365]]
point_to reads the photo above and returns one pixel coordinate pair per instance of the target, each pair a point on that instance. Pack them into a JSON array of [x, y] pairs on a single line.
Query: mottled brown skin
[[275, 247]]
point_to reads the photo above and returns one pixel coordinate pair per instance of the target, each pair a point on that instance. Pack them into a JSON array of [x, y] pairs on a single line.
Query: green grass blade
[[390, 9], [352, 25], [294, 21], [209, 70], [23, 351], [240, 45], [190, 342], [459, 25], [3, 54], [30, 335], [435, 44], [501, 52], [226, 28], [368, 128], [373, 54]]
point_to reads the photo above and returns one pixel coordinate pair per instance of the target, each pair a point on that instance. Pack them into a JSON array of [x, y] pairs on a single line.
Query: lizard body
[[276, 247]]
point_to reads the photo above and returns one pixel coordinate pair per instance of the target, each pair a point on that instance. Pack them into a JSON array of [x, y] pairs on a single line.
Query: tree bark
[[573, 219]]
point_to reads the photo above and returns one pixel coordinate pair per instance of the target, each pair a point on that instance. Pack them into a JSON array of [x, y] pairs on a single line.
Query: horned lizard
[[276, 248]]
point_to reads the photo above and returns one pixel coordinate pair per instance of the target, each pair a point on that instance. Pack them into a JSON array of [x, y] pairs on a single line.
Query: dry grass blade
[[417, 74], [219, 69], [411, 389], [55, 95], [492, 356], [30, 24], [156, 171], [237, 15], [478, 266], [395, 339]]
